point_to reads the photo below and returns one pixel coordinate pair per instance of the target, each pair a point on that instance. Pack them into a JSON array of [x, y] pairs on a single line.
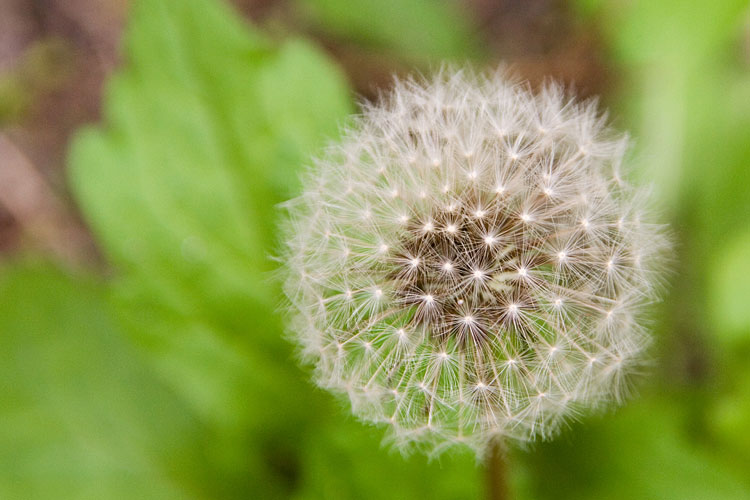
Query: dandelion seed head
[[482, 246]]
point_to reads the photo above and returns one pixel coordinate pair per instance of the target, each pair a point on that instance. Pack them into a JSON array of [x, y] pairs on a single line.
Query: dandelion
[[496, 265]]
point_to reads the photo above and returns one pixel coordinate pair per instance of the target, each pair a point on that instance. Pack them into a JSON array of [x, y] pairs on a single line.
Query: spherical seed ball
[[469, 262]]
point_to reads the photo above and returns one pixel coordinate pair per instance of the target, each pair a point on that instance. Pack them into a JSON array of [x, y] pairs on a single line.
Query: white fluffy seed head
[[500, 291]]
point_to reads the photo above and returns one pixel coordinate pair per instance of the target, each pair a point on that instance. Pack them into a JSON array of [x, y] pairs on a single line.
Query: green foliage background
[[171, 378]]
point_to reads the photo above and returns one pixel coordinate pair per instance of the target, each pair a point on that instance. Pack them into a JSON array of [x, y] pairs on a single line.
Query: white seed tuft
[[469, 262]]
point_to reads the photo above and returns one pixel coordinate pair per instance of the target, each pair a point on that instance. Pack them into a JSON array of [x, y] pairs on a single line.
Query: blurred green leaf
[[674, 54], [730, 415], [82, 414], [205, 130], [664, 32], [345, 459], [730, 290], [642, 452], [418, 30]]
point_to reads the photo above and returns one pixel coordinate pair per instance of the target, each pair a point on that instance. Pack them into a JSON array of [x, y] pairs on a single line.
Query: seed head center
[[463, 268]]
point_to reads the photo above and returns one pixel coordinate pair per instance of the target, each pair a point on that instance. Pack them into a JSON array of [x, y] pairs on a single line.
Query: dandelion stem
[[497, 480]]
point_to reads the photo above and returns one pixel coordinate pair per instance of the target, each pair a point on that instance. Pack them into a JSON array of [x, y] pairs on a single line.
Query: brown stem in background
[[497, 479], [30, 200]]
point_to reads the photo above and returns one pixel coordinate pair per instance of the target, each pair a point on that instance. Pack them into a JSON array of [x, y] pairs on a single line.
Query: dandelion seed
[[467, 338]]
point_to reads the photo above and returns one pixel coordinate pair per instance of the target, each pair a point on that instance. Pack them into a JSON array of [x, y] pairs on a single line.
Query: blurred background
[[144, 146]]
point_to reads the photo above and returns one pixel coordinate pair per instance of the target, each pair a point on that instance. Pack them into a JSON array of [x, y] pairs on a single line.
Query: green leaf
[[82, 414], [729, 416], [730, 290], [205, 130], [642, 452], [344, 459], [675, 55], [418, 30]]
